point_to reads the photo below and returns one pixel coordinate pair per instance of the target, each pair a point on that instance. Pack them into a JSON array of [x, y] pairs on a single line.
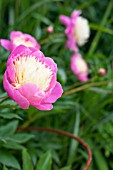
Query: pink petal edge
[[14, 94], [64, 20], [15, 34], [6, 44], [44, 106], [55, 94]]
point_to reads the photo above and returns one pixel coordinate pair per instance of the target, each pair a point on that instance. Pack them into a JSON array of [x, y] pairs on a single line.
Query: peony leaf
[[27, 162], [66, 168], [8, 129], [10, 116], [8, 160], [44, 162]]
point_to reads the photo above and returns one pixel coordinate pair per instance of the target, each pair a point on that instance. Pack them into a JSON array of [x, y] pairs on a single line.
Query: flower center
[[31, 70], [21, 40]]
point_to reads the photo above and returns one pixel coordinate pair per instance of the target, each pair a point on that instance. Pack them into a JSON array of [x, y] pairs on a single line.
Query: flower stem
[[85, 87], [63, 133]]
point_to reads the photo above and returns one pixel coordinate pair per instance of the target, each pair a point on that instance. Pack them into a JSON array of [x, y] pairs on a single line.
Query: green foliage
[[86, 110], [44, 162], [8, 160], [10, 116], [4, 168], [27, 163], [66, 168]]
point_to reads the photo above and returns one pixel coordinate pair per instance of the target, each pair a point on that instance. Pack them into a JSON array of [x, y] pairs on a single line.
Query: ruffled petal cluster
[[77, 30], [30, 78], [79, 67], [18, 38]]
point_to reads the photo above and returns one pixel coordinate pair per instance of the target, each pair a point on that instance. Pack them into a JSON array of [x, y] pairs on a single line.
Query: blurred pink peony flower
[[18, 38], [50, 29], [77, 30], [102, 72], [79, 67], [30, 79]]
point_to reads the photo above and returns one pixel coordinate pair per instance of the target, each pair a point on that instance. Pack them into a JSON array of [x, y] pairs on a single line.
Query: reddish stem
[[64, 134]]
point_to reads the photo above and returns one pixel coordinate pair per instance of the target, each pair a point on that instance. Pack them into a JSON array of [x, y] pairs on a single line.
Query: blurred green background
[[87, 112]]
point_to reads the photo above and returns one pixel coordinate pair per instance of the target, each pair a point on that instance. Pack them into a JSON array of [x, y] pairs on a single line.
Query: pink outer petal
[[71, 45], [21, 50], [44, 106], [51, 84], [14, 94], [69, 31], [82, 77], [32, 93], [55, 94], [26, 51], [8, 45], [64, 20], [32, 39], [74, 59], [27, 37], [51, 64], [75, 13], [15, 34], [10, 73], [38, 54]]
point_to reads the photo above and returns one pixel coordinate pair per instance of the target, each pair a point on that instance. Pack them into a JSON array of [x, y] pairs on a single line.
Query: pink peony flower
[[77, 30], [79, 67], [30, 78], [17, 38], [102, 72], [50, 29]]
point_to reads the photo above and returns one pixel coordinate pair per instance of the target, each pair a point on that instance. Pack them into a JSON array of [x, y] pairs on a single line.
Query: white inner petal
[[30, 70], [81, 65], [21, 40], [81, 31]]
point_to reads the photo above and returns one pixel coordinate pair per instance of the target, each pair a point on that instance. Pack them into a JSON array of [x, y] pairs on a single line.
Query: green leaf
[[12, 145], [43, 19], [66, 168], [8, 160], [62, 76], [9, 103], [101, 162], [8, 129], [27, 162], [10, 116], [22, 137], [74, 144], [4, 168], [15, 140], [98, 34], [44, 162], [3, 97]]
